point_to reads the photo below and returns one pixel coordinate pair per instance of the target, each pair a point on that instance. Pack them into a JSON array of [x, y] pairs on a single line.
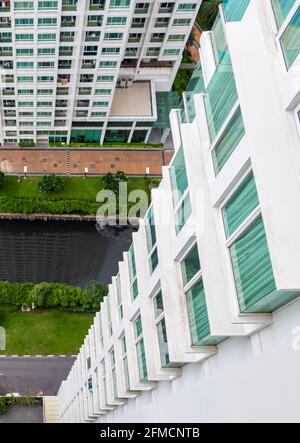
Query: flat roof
[[132, 101]]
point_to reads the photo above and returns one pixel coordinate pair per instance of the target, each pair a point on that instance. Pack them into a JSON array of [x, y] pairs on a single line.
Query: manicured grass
[[76, 188], [43, 332]]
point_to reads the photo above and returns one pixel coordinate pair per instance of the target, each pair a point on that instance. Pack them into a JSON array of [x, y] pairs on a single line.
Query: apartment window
[[26, 114], [69, 5], [151, 239], [44, 123], [282, 9], [22, 22], [113, 35], [100, 332], [88, 363], [90, 384], [228, 141], [44, 91], [45, 78], [171, 52], [132, 273], [248, 249], [44, 114], [47, 5], [25, 123], [181, 22], [24, 37], [125, 363], [134, 37], [90, 50], [186, 7], [138, 22], [46, 51], [94, 20], [102, 91], [24, 52], [105, 78], [67, 36], [92, 36], [113, 372], [67, 21], [102, 104], [23, 5], [98, 114], [97, 4], [25, 91], [107, 64], [176, 37], [86, 78], [152, 51], [46, 37], [5, 37], [44, 104], [112, 51], [140, 348], [161, 329], [46, 65], [116, 21], [65, 50], [161, 22], [110, 328], [47, 21], [166, 7], [119, 3], [24, 65], [157, 37], [141, 8], [119, 297], [25, 104], [25, 78], [131, 52], [290, 40], [181, 197]]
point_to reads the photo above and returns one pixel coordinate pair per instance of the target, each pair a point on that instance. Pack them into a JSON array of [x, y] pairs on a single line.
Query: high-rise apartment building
[[88, 70], [202, 321]]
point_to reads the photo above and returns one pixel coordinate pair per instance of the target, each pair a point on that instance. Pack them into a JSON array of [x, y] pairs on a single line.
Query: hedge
[[108, 145], [54, 295], [7, 402], [26, 205]]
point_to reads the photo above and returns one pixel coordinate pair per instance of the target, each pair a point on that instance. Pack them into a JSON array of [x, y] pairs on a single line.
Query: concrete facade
[[207, 297]]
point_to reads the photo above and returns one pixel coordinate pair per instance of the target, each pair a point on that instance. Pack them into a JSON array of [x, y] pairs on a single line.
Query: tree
[[51, 183], [207, 13], [112, 181], [2, 179]]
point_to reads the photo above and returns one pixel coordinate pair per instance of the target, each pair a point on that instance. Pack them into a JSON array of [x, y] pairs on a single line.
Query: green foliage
[[207, 14], [26, 144], [2, 179], [108, 145], [111, 181], [7, 402], [50, 295], [51, 183], [181, 80], [34, 205]]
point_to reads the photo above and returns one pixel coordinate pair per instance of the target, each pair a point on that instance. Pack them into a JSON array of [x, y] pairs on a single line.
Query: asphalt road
[[32, 375]]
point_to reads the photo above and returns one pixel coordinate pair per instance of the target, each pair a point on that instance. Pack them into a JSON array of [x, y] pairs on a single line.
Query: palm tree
[[207, 13]]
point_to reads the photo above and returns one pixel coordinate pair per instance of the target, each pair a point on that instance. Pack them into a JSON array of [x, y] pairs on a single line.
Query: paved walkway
[[33, 374], [74, 161]]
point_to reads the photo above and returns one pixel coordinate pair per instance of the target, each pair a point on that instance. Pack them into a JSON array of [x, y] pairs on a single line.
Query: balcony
[[95, 20], [84, 91], [62, 91], [141, 11], [86, 78], [8, 91], [166, 10], [99, 6], [88, 65], [59, 123], [64, 64], [63, 79], [9, 79], [5, 23], [60, 113], [7, 65], [83, 103], [9, 113], [68, 22], [68, 7], [92, 36], [6, 53], [5, 39], [66, 37], [81, 114], [65, 52], [61, 104]]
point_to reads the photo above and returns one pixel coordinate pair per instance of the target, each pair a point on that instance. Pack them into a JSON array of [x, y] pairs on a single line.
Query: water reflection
[[70, 252]]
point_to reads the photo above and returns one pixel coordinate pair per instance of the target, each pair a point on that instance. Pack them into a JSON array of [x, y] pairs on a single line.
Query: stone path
[[74, 161]]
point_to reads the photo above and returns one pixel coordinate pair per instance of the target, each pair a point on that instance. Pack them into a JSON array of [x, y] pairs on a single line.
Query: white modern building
[[202, 323], [88, 70]]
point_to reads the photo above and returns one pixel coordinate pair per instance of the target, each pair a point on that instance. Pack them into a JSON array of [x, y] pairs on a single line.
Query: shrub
[[54, 295], [26, 144], [2, 179], [51, 183], [7, 402], [111, 181]]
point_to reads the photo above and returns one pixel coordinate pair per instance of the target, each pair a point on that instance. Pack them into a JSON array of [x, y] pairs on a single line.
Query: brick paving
[[74, 161]]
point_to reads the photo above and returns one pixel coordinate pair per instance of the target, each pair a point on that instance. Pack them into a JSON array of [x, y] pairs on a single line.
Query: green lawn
[[43, 332], [76, 188]]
